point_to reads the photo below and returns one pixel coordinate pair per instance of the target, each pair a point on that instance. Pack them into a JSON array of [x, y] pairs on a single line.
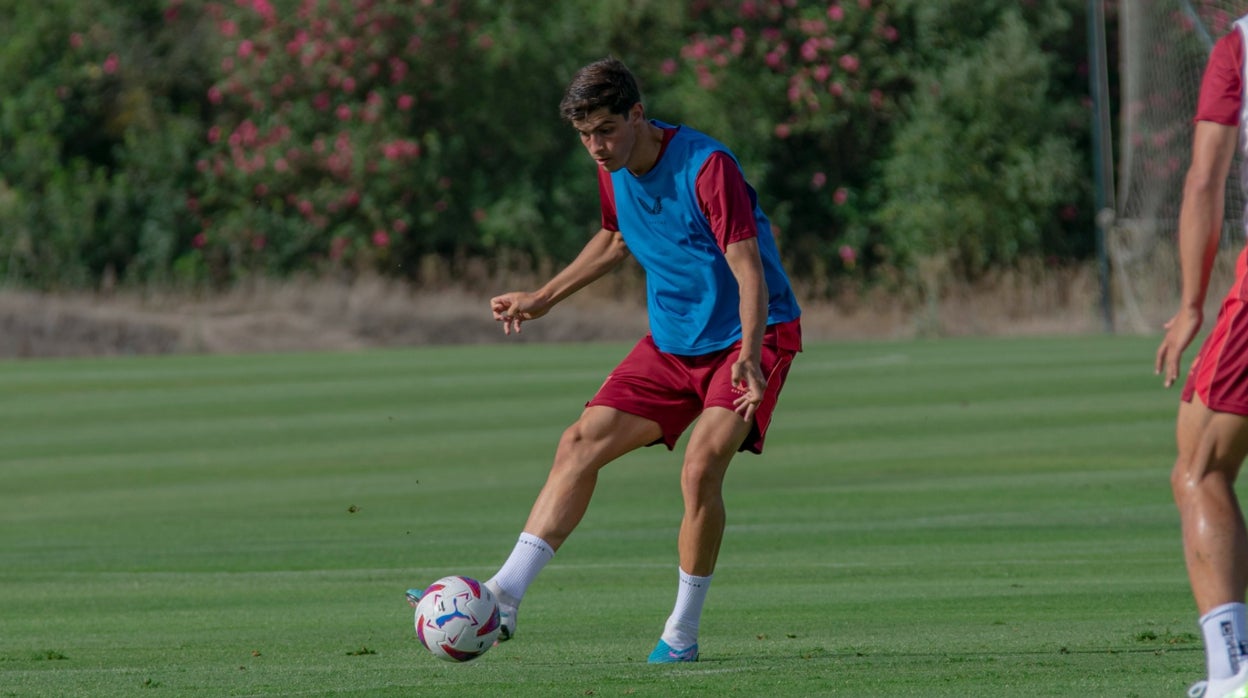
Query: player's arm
[[1200, 228], [747, 373], [604, 251], [726, 199]]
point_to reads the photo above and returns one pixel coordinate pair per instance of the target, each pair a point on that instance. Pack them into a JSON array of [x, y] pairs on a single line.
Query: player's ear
[[637, 113]]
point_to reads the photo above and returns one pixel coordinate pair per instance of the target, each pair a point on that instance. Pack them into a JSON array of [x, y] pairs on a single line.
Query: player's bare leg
[[714, 441], [599, 436], [1211, 448]]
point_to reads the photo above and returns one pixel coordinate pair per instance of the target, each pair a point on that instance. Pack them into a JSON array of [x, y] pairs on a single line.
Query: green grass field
[[986, 517]]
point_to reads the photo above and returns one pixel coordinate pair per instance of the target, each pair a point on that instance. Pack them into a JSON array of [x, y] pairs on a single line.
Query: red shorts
[[673, 390], [1219, 374]]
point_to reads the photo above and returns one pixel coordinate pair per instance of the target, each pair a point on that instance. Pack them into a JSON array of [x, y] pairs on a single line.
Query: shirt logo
[[652, 210]]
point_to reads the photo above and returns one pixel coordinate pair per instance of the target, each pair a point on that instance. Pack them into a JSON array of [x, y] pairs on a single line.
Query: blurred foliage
[[806, 95], [981, 170], [100, 121], [348, 134], [197, 141]]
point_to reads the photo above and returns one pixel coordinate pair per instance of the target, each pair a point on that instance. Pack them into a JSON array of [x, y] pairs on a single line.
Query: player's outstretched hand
[[747, 379], [514, 308], [1180, 330]]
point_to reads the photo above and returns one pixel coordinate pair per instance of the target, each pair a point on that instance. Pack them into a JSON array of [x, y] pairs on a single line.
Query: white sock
[[1226, 639], [527, 559], [681, 630]]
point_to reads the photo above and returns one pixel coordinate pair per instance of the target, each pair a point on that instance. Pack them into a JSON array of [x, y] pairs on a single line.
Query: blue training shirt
[[692, 296]]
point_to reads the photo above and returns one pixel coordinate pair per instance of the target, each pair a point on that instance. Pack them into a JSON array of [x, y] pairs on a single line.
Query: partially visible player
[[1212, 425], [723, 330]]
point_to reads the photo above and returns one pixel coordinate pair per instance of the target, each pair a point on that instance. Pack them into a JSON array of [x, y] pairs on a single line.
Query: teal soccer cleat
[[413, 596], [664, 654]]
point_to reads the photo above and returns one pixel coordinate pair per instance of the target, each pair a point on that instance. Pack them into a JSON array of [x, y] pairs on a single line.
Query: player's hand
[[1180, 330], [514, 308], [747, 379]]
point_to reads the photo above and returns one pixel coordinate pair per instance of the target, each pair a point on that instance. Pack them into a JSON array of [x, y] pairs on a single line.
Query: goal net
[[1163, 48]]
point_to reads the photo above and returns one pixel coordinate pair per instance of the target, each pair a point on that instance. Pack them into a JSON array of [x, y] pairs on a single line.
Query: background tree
[[204, 141], [984, 168], [102, 109]]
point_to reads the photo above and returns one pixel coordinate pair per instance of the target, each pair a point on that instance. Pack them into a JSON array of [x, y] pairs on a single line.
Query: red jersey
[[722, 192], [1221, 88]]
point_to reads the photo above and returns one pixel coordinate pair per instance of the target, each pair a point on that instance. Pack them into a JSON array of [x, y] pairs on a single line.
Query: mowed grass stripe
[[955, 517]]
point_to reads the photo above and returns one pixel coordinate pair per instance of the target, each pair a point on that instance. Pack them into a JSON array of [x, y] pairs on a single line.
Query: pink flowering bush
[[806, 94], [373, 133], [315, 152], [814, 95], [193, 141]]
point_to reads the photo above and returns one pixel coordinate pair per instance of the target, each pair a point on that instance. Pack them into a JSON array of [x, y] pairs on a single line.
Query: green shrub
[[374, 134], [97, 134], [984, 164]]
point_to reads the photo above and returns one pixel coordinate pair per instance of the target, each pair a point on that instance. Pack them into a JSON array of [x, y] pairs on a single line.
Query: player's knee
[[1180, 480], [701, 480], [572, 440], [1201, 472], [576, 447], [1189, 473]]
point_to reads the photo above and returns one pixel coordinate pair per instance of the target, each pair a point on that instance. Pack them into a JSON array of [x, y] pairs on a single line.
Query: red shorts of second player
[[1219, 374], [673, 390]]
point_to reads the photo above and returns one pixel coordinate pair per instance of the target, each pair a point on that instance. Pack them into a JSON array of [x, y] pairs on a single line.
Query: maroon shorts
[[1219, 374], [673, 390]]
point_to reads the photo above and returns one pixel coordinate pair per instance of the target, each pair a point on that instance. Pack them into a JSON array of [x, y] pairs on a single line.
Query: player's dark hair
[[605, 83]]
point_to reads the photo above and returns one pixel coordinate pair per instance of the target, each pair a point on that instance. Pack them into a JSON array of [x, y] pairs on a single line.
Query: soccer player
[[724, 328], [1212, 424]]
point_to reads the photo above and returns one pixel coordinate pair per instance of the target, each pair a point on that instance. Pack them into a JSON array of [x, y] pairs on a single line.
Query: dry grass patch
[[326, 314]]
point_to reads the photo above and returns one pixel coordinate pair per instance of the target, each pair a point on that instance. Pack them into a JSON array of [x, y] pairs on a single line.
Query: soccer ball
[[457, 619]]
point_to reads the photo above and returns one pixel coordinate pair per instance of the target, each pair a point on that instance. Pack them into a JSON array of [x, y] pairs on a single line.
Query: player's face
[[610, 138]]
